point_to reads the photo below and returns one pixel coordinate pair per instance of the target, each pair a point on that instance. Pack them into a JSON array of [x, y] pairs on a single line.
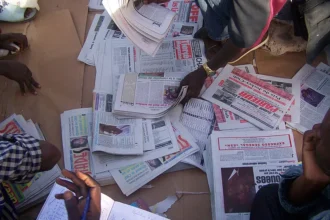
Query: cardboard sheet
[[52, 58]]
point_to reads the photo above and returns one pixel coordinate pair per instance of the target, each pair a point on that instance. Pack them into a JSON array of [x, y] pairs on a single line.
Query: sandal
[[15, 14]]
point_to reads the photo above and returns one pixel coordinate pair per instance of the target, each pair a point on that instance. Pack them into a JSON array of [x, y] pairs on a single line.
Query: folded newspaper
[[110, 210], [238, 164], [27, 195], [256, 101], [148, 95], [146, 25], [77, 140], [314, 96]]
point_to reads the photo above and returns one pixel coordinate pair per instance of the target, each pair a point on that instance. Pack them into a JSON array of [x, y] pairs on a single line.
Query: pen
[[86, 208]]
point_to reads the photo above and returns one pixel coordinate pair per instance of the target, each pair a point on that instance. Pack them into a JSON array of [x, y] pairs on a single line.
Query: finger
[[80, 183], [9, 47], [69, 185], [30, 87], [22, 87], [35, 83], [71, 205], [88, 180]]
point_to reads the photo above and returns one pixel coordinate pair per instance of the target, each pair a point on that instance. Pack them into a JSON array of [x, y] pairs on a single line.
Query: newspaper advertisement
[[148, 95], [198, 118], [258, 102], [112, 135], [252, 159], [314, 97], [186, 10], [133, 177], [165, 144], [290, 86], [90, 41], [77, 141], [95, 5]]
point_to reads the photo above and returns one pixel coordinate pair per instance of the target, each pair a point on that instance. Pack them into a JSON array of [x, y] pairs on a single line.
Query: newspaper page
[[148, 95], [186, 10], [226, 119], [165, 144], [152, 19], [149, 46], [323, 68], [90, 41], [315, 97], [260, 103], [290, 86], [249, 159], [133, 177], [112, 135], [77, 141], [198, 118], [95, 5]]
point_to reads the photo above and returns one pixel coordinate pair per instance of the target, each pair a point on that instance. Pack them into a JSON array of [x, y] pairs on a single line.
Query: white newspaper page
[[148, 137], [95, 5], [112, 135], [149, 46], [290, 86], [198, 119], [165, 144], [133, 177], [186, 10], [315, 97], [323, 68], [182, 30], [153, 19], [90, 41], [260, 103], [251, 160], [148, 95]]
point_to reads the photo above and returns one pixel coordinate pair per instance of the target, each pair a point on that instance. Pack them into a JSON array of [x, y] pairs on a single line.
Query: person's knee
[[50, 155], [267, 192]]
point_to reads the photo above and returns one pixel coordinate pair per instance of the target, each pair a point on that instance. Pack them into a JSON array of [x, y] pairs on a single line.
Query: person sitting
[[304, 192]]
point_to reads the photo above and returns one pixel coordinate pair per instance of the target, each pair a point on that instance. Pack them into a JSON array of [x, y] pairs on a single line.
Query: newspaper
[[133, 177], [77, 140], [112, 135], [323, 68], [165, 144], [258, 102], [186, 10], [198, 119], [314, 94], [240, 163], [29, 194], [90, 41], [95, 5], [148, 95]]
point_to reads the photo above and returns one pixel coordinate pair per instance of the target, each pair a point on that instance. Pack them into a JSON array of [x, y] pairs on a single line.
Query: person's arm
[[22, 156], [20, 73]]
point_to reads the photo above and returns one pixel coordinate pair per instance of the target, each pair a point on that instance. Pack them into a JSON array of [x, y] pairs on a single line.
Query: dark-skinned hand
[[80, 185], [194, 81], [20, 73], [19, 39]]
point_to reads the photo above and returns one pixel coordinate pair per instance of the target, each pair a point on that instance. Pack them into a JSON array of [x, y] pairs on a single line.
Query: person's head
[[323, 144], [79, 142]]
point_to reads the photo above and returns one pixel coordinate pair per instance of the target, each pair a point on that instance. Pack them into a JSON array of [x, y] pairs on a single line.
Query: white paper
[[163, 206]]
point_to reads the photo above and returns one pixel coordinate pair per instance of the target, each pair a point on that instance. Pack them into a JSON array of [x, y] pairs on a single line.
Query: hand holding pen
[[86, 203]]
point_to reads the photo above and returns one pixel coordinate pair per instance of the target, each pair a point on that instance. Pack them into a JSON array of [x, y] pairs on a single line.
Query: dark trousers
[[267, 206]]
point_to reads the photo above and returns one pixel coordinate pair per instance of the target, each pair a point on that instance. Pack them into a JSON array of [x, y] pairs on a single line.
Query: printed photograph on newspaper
[[256, 101]]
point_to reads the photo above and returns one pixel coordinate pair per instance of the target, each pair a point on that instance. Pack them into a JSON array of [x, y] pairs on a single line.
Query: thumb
[[71, 205]]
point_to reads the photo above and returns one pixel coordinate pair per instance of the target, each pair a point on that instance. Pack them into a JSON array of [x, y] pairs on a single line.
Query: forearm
[[227, 53], [303, 190]]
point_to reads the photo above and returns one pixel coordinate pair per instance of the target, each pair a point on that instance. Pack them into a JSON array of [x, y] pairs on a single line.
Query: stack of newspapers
[[146, 25], [27, 195]]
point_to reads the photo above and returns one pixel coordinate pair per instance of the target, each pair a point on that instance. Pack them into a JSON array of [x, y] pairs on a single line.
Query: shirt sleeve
[[313, 206], [249, 21], [20, 157]]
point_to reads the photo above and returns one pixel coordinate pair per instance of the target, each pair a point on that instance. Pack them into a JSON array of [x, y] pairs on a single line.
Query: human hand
[[194, 81], [80, 185], [155, 1], [20, 73], [19, 39], [312, 172]]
